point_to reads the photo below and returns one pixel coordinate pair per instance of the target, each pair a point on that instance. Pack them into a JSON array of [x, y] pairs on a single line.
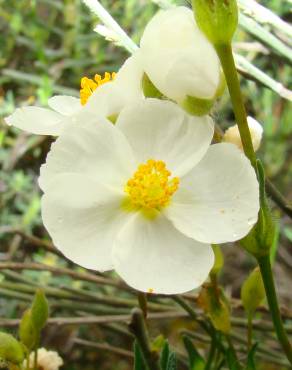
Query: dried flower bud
[[46, 360], [232, 134]]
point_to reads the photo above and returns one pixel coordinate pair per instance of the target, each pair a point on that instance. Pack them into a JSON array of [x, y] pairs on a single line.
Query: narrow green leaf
[[172, 362], [139, 362], [196, 361], [250, 360], [164, 356]]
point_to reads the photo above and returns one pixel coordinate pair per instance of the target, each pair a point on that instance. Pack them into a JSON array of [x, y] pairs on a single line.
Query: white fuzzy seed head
[[47, 360], [232, 134]]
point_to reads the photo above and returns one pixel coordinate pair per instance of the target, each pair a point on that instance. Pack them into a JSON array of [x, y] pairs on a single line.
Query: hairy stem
[[225, 55], [267, 275]]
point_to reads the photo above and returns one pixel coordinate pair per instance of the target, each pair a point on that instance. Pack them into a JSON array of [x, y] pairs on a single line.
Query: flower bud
[[252, 292], [217, 19], [39, 310], [27, 332], [214, 303], [180, 61], [10, 349], [256, 131]]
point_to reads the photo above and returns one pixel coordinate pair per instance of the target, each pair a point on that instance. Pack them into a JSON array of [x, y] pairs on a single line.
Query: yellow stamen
[[150, 186], [89, 85]]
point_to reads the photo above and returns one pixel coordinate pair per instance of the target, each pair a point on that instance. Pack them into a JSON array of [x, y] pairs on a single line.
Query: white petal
[[218, 201], [82, 217], [40, 121], [152, 256], [95, 148], [129, 77], [177, 57], [107, 100], [161, 130], [65, 105]]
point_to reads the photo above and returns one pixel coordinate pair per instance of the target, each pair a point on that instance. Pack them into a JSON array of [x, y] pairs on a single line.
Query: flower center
[[89, 85], [151, 186]]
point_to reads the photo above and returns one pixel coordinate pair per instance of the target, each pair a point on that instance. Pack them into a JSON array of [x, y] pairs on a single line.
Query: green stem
[[267, 275], [225, 55], [27, 361], [249, 332], [35, 364]]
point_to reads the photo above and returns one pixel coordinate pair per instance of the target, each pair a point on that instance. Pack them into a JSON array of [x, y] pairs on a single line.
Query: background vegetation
[[46, 46]]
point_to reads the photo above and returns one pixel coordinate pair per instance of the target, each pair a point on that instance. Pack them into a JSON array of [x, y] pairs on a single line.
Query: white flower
[[46, 360], [106, 100], [256, 131], [178, 58], [110, 201]]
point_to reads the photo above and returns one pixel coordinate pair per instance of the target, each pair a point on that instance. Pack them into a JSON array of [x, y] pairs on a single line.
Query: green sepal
[[217, 19], [39, 310], [28, 334], [222, 85], [10, 349], [149, 89], [260, 239], [197, 106], [216, 306], [252, 292]]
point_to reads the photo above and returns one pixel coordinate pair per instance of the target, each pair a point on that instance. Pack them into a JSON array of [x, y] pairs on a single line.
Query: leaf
[[232, 360], [250, 359], [172, 362], [196, 361], [164, 356], [139, 362]]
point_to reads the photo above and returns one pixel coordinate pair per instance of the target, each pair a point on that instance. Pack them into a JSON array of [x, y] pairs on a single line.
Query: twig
[[62, 271], [278, 198], [90, 320], [104, 347]]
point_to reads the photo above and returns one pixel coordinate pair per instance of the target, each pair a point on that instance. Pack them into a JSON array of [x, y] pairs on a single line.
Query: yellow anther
[[87, 85], [150, 186]]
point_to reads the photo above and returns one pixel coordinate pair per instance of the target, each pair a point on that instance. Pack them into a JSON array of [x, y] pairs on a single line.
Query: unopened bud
[[256, 131], [27, 332], [39, 310], [217, 19], [252, 292], [10, 349]]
